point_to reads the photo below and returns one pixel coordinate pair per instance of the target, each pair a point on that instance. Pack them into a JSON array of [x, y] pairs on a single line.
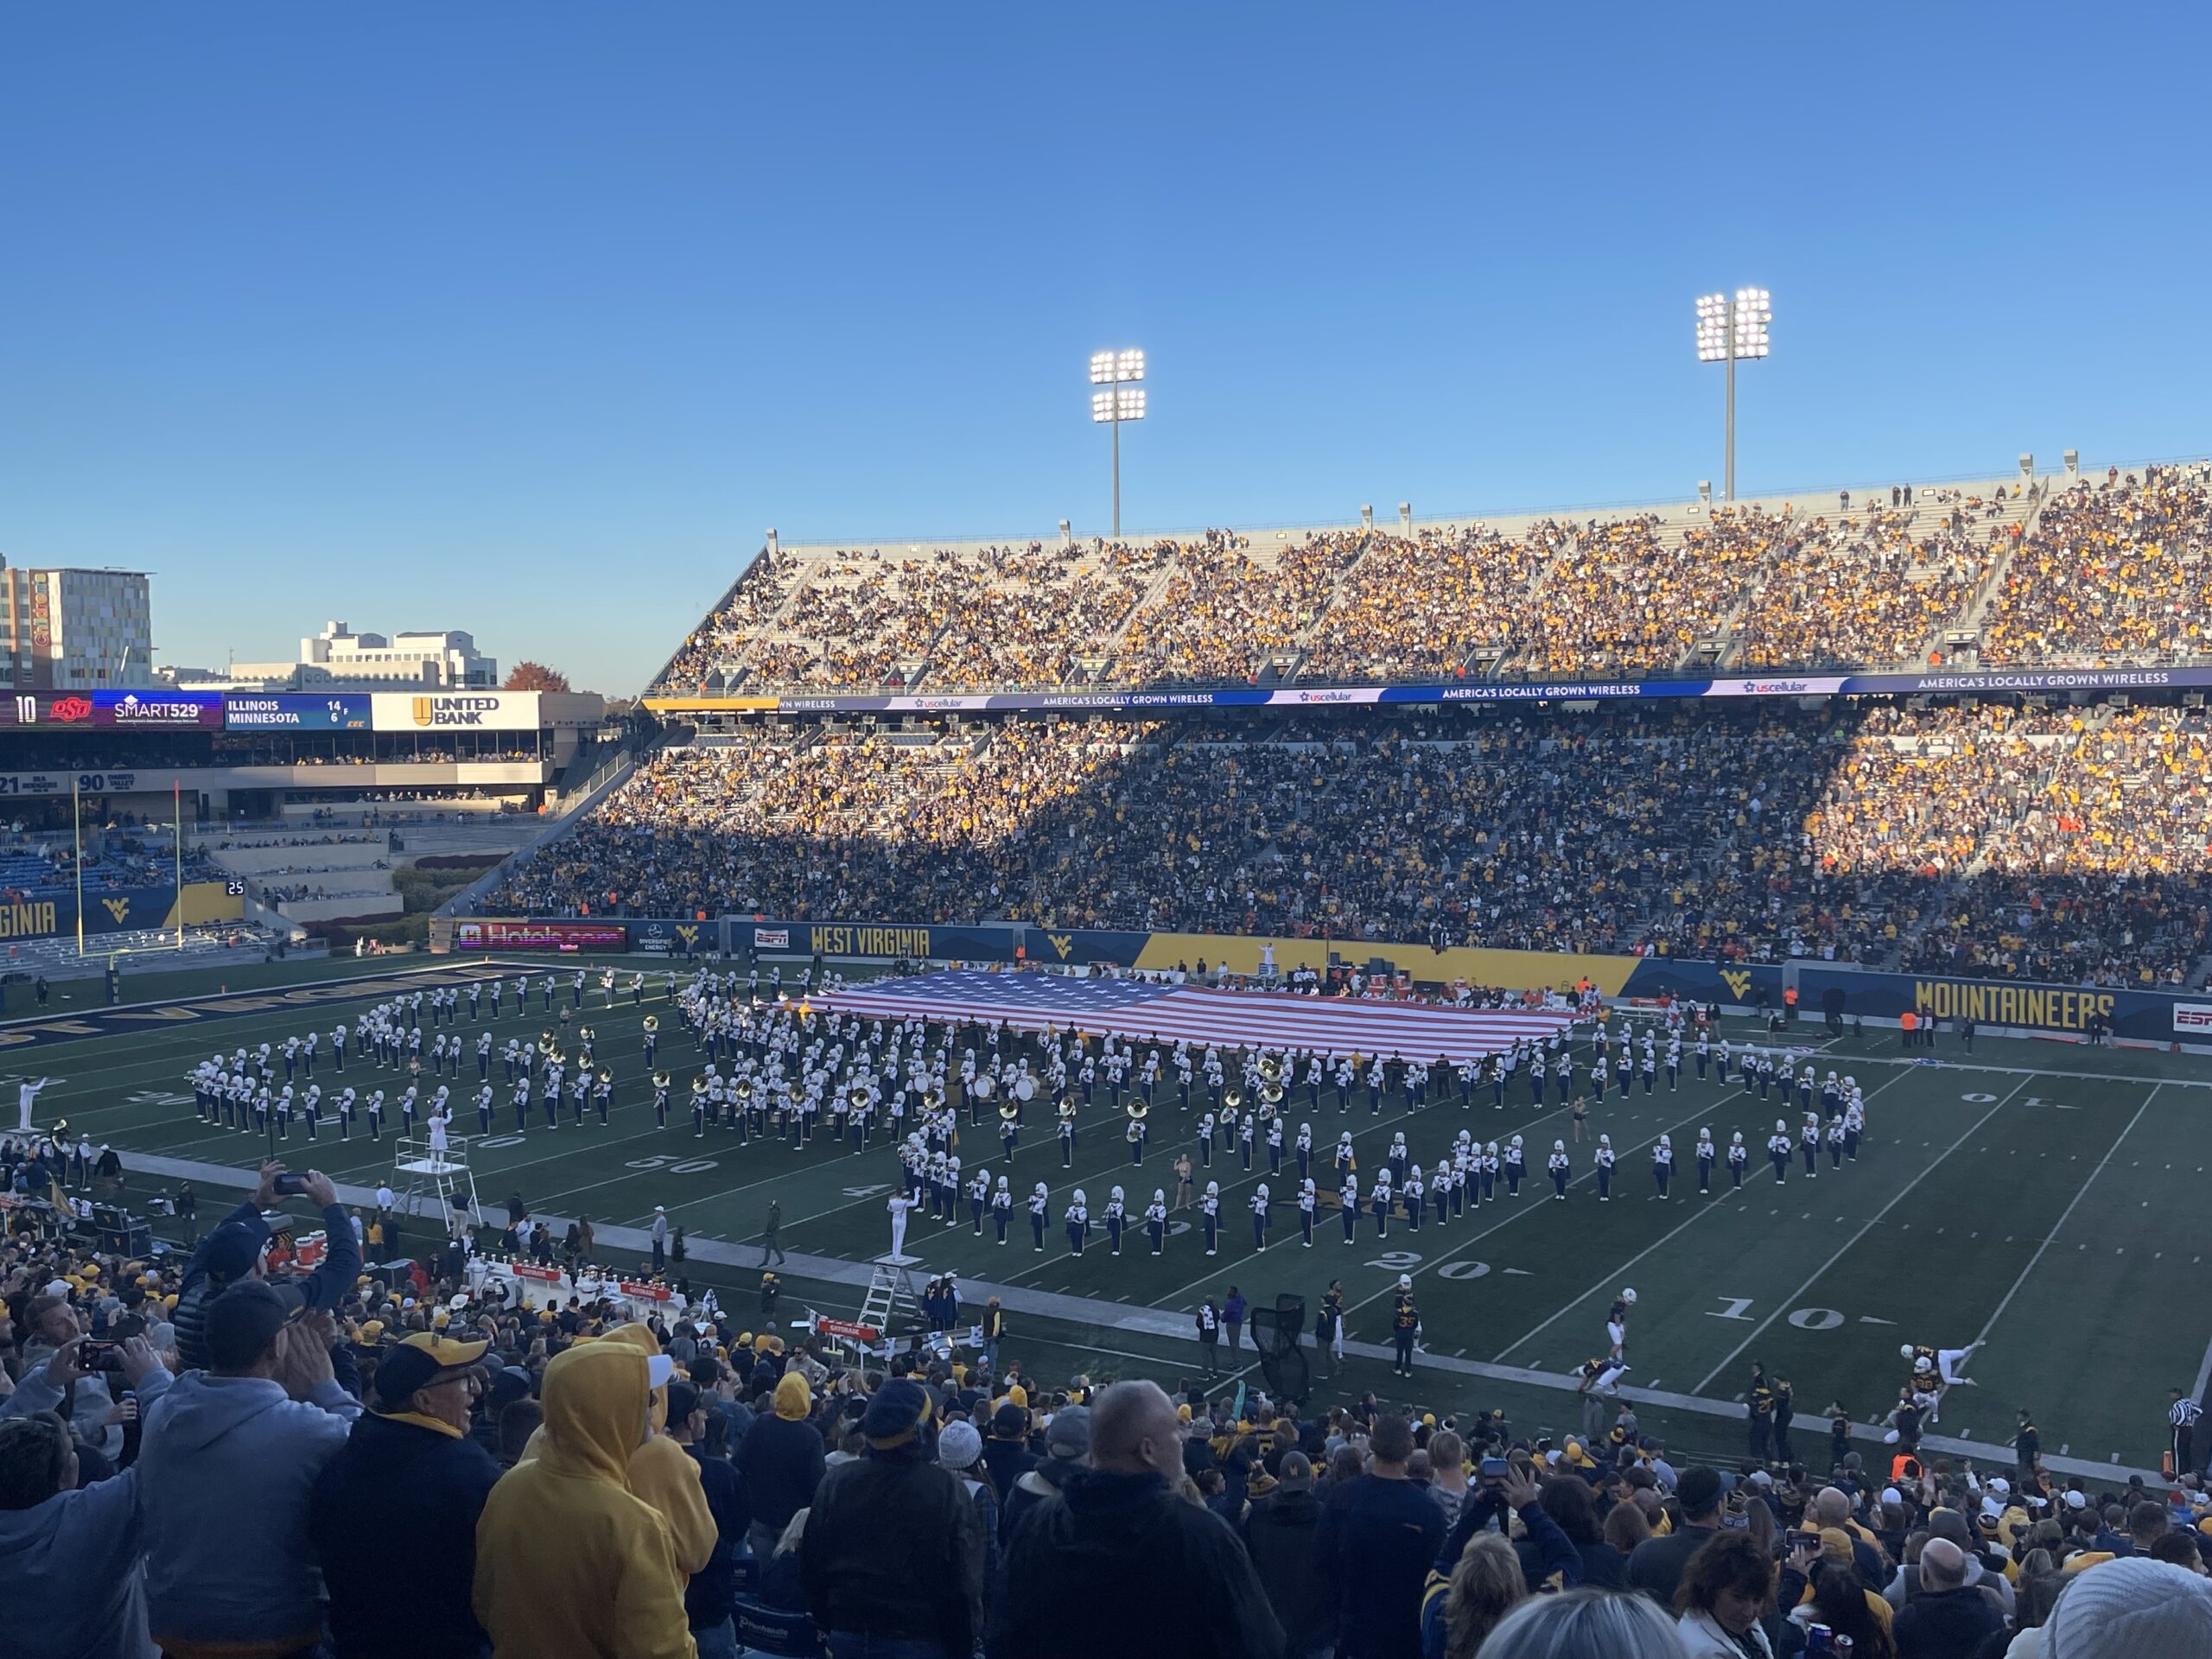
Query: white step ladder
[[442, 1175], [891, 1289]]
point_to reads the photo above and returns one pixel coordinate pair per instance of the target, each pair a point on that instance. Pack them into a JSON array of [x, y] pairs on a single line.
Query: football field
[[2037, 1199]]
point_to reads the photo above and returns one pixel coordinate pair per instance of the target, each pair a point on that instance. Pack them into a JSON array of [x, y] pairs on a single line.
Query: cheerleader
[[1037, 1204], [1155, 1219], [1560, 1169], [1513, 1166], [1662, 1164], [1580, 1116], [1778, 1152], [1259, 1208], [1002, 1206], [1738, 1155], [1078, 1222], [1306, 1201], [1605, 1160], [1809, 1142], [1209, 1216], [1706, 1153]]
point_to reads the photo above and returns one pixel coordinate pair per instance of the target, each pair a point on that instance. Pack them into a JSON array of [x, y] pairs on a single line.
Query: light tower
[[1119, 401], [1728, 329]]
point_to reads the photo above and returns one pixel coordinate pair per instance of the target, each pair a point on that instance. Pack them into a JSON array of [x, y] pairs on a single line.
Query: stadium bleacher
[[2102, 571]]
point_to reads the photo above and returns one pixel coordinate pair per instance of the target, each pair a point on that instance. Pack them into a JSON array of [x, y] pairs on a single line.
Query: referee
[[2181, 1417]]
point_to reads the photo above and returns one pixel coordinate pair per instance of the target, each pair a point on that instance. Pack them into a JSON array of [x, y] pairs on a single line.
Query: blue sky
[[528, 318]]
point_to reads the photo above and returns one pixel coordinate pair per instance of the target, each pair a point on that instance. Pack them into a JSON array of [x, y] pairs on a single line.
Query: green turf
[[2037, 1195]]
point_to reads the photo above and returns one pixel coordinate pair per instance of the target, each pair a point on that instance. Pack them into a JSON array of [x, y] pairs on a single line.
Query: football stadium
[[1623, 1080]]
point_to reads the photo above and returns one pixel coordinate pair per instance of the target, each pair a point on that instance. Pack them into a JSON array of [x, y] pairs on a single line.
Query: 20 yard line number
[[1407, 1261]]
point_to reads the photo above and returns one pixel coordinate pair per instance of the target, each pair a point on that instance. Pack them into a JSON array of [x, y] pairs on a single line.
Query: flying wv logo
[[1062, 942], [118, 909], [1736, 981]]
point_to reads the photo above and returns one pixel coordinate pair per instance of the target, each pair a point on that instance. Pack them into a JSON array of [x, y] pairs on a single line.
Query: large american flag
[[1142, 1012]]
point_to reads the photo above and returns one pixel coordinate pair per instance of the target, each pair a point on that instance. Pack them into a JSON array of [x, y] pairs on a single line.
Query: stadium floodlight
[[1730, 329], [1121, 403]]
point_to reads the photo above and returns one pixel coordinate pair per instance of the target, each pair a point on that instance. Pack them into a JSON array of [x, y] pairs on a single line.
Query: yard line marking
[[1845, 1248], [1620, 1271], [2059, 1225]]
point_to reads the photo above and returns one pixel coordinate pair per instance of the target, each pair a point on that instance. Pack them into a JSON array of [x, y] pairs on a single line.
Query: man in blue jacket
[[236, 1250], [407, 1470], [227, 1462], [69, 1553]]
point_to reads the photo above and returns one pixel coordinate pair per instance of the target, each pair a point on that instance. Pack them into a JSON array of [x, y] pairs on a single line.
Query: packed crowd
[[1875, 589], [1851, 833], [236, 1454], [1412, 610], [2114, 571], [2117, 572]]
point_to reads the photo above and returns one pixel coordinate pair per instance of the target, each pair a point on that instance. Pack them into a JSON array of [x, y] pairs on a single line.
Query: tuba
[[1065, 1107], [545, 1040], [652, 1022], [1009, 1112], [606, 1074], [744, 1089], [1270, 1069], [1138, 1112], [1232, 1097], [660, 1079], [856, 1098], [698, 1088], [1271, 1094]]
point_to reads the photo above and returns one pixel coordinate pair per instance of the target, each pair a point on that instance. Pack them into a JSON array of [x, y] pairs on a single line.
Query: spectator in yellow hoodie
[[570, 1565], [661, 1473]]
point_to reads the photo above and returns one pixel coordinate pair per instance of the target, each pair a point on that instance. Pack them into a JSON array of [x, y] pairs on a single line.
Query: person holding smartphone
[[236, 1249]]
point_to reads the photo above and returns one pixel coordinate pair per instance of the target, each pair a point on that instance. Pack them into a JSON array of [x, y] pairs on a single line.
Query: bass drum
[[1025, 1087], [982, 1086]]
